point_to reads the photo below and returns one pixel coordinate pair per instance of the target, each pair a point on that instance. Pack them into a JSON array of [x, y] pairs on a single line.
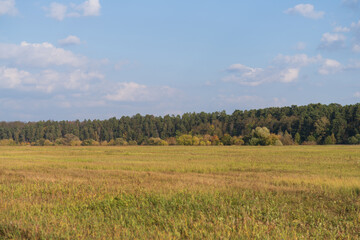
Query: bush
[[48, 143], [287, 139], [278, 143], [90, 142], [71, 140], [133, 143], [309, 143], [237, 141], [329, 140], [120, 142], [60, 142], [297, 138], [185, 139], [260, 136], [215, 140], [226, 139], [353, 140], [157, 142], [195, 141], [7, 142], [76, 143], [171, 141]]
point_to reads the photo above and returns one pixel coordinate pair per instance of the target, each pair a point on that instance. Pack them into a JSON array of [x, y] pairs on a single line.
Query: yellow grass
[[180, 192]]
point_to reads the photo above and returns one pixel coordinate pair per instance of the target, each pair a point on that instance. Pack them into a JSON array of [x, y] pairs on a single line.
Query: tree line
[[310, 124]]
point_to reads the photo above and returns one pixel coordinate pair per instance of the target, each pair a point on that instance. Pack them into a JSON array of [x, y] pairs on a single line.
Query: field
[[297, 192]]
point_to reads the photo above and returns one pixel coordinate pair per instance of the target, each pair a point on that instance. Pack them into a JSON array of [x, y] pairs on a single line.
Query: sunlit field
[[296, 192]]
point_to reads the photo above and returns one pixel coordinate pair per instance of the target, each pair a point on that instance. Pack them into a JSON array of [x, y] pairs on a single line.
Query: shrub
[[120, 142], [157, 142], [60, 141], [90, 142], [171, 141], [309, 143], [133, 143], [237, 141], [287, 139], [330, 140], [215, 140], [226, 139], [185, 139], [278, 143], [353, 140], [195, 141], [75, 143], [7, 142], [47, 142]]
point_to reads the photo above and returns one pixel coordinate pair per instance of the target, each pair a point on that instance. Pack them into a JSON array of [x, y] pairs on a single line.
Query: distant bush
[[353, 140], [237, 140], [309, 143], [185, 139], [287, 139], [7, 142], [171, 141], [157, 142], [329, 140], [133, 143], [90, 142], [48, 143], [226, 139], [75, 143]]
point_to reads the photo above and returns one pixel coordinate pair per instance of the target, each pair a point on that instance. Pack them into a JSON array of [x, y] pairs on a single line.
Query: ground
[[180, 192]]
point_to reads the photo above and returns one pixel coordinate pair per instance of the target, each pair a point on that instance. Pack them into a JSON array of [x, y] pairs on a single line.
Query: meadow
[[179, 192]]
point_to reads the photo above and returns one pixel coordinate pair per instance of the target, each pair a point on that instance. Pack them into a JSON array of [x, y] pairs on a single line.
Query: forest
[[310, 124]]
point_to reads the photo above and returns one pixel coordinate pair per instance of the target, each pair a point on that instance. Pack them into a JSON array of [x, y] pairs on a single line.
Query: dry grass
[[180, 192]]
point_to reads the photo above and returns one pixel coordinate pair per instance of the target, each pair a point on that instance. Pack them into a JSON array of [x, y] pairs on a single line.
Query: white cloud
[[300, 46], [355, 29], [79, 79], [341, 29], [59, 11], [330, 66], [357, 94], [289, 75], [355, 25], [8, 7], [70, 40], [332, 41], [56, 11], [356, 48], [306, 10], [134, 92], [130, 92], [255, 76], [40, 55], [245, 75], [296, 60], [90, 8], [12, 77], [47, 80], [284, 69]]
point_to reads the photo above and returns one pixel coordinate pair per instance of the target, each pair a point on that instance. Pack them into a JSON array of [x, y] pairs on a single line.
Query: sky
[[97, 59]]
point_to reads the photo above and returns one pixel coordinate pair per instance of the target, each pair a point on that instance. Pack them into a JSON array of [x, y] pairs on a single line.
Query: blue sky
[[95, 59]]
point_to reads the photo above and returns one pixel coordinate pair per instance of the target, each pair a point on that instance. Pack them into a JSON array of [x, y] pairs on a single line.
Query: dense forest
[[311, 124]]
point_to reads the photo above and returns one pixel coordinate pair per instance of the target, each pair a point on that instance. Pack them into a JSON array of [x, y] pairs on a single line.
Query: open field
[[296, 192]]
